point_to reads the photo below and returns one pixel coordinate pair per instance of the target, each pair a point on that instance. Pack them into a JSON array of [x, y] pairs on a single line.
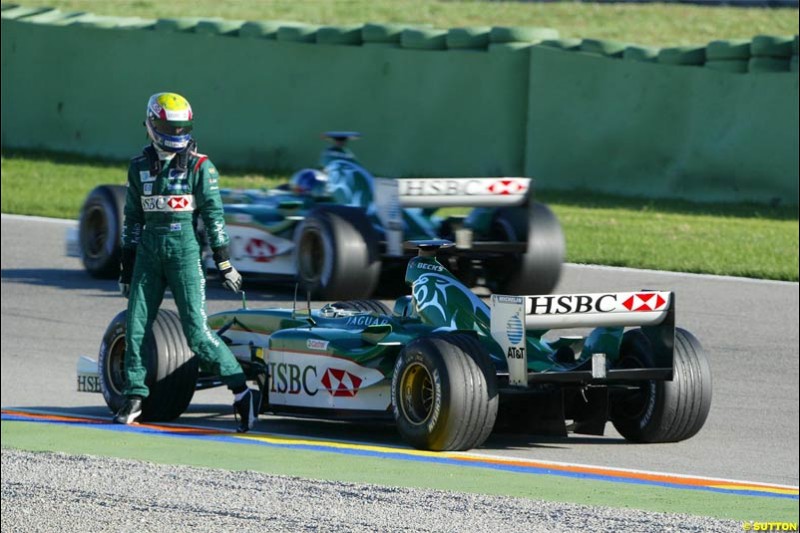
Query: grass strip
[[651, 24], [755, 241]]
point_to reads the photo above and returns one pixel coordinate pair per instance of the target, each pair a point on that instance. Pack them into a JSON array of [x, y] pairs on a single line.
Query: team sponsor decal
[[177, 182], [596, 303], [174, 203], [254, 246], [175, 226], [148, 189], [316, 380], [260, 251], [463, 186], [145, 176], [340, 382], [366, 320], [514, 329], [429, 266], [317, 344]]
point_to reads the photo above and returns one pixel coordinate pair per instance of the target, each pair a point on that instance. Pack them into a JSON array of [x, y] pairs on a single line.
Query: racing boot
[[245, 410], [130, 411]]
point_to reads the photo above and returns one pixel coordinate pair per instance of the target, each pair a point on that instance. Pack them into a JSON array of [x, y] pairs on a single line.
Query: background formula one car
[[444, 365], [340, 231]]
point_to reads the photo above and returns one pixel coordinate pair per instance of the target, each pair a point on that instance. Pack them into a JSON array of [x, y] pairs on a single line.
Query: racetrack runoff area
[[401, 466]]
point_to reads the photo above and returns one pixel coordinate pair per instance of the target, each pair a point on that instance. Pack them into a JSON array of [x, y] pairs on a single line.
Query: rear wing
[[512, 316], [391, 195], [462, 192]]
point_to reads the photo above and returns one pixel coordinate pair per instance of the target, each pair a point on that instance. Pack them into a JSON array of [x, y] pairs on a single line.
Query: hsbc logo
[[507, 186], [596, 303], [463, 186], [260, 250], [177, 203], [341, 382]]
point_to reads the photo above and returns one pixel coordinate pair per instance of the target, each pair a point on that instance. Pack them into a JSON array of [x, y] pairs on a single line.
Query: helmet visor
[[171, 127]]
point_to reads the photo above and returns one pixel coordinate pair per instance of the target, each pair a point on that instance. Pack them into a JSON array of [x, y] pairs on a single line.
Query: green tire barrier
[[772, 46], [177, 24], [768, 64], [685, 133], [475, 38], [562, 44], [387, 33], [219, 27], [338, 35], [17, 12], [421, 39], [603, 47], [261, 29], [640, 53], [682, 55], [51, 15], [526, 34], [721, 50], [298, 33], [508, 47], [689, 133], [728, 65]]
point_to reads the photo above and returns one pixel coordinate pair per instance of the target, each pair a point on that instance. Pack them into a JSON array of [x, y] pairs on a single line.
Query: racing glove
[[231, 278], [126, 271]]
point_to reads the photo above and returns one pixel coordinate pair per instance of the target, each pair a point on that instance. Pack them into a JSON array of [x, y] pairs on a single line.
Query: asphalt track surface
[[52, 312]]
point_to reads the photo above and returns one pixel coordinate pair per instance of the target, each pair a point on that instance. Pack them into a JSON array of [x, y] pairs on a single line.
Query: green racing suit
[[164, 199]]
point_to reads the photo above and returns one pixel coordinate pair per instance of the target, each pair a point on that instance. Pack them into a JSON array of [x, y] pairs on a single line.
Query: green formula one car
[[447, 367], [339, 230]]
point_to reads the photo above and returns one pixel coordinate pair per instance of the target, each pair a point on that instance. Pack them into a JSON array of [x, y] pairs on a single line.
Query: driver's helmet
[[309, 182], [169, 121]]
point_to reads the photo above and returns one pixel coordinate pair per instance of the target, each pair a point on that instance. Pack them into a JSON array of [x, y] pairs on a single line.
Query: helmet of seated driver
[[309, 182]]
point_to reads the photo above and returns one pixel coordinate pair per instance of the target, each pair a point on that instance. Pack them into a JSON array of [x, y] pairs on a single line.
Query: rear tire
[[370, 306], [538, 269], [664, 411], [100, 231], [172, 368], [336, 257], [444, 393]]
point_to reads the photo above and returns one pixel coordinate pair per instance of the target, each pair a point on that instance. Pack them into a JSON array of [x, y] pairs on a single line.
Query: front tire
[[444, 393], [336, 255], [172, 368], [100, 231], [664, 411]]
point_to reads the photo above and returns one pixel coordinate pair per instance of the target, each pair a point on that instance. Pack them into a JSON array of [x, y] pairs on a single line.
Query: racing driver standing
[[170, 185]]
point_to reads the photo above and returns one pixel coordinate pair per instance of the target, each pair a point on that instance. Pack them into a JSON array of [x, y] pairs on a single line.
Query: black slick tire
[[538, 269], [172, 368], [336, 255], [100, 231], [444, 393], [664, 411]]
